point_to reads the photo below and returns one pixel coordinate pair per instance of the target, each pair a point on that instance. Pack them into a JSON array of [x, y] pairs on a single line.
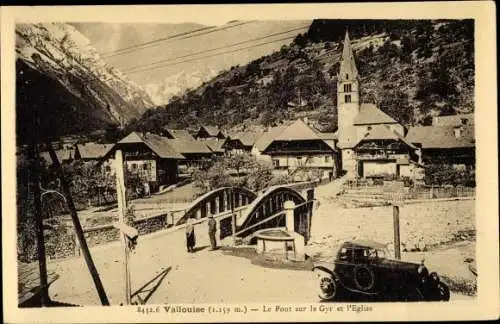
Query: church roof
[[370, 114]]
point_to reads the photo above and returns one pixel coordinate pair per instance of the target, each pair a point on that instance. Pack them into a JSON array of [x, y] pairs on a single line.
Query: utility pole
[[122, 209], [78, 228]]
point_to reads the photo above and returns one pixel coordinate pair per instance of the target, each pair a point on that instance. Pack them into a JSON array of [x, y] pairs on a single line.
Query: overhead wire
[[171, 38], [161, 66], [213, 49]]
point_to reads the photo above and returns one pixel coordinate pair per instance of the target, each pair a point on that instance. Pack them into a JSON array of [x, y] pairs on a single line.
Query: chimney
[[306, 121]]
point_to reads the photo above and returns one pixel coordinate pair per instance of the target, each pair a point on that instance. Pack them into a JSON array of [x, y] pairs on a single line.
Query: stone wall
[[62, 244]]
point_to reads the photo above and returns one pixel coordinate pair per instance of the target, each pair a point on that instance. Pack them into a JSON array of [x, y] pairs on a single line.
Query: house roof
[[267, 137], [189, 146], [211, 130], [297, 131], [94, 150], [62, 155], [156, 143], [182, 134], [350, 138], [383, 132], [370, 114], [441, 136], [328, 136], [215, 145], [453, 120], [247, 138]]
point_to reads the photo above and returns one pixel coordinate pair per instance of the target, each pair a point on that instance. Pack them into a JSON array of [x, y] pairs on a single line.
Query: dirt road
[[165, 273]]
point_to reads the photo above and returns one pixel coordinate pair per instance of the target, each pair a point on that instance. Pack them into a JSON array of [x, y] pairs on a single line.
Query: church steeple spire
[[348, 99], [348, 68]]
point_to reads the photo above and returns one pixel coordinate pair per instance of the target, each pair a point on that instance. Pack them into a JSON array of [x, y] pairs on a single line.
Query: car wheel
[[327, 287], [444, 292]]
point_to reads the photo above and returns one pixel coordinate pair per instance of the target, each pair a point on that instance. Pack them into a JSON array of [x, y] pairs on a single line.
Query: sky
[[196, 51]]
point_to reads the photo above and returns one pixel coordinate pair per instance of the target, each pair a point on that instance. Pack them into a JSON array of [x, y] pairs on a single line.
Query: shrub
[[248, 172], [446, 174]]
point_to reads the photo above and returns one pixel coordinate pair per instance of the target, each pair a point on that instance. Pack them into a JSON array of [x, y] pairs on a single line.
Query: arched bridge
[[267, 211], [220, 200], [252, 211]]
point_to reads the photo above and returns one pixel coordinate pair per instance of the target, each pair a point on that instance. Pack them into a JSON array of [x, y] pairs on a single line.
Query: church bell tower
[[348, 99]]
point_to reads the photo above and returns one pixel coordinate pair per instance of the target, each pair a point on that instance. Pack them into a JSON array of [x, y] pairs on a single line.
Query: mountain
[[61, 76], [177, 84], [412, 69]]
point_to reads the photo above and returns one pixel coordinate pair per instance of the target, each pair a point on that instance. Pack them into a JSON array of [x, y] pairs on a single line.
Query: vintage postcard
[[214, 163]]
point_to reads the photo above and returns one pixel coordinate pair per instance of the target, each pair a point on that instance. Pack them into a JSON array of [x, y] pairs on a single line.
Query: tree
[[257, 175]]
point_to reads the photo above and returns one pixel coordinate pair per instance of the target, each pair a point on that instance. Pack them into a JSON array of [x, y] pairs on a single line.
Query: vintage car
[[363, 269]]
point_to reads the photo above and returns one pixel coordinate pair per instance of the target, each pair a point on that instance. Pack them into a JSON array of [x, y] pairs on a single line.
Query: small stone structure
[[281, 238]]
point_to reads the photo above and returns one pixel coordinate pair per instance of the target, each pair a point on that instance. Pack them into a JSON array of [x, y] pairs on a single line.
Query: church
[[372, 143]]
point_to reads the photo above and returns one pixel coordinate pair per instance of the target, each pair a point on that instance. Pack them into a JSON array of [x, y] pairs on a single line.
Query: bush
[[446, 174], [242, 170]]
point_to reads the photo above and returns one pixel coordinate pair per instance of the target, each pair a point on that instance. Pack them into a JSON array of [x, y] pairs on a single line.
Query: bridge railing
[[217, 202]]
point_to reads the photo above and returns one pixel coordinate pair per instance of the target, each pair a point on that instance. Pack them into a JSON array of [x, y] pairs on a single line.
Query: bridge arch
[[218, 201], [267, 204]]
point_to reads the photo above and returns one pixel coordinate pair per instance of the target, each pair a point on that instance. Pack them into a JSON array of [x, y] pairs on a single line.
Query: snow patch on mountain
[[60, 51], [178, 84]]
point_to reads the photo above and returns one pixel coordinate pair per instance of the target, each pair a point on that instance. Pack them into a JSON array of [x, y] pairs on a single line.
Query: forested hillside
[[412, 69]]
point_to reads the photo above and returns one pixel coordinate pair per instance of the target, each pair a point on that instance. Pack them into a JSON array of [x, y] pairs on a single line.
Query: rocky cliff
[[61, 76]]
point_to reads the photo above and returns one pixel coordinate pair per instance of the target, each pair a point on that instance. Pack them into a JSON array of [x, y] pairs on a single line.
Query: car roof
[[365, 243]]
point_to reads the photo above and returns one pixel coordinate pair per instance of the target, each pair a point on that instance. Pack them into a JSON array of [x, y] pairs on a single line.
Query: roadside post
[[78, 228], [126, 232], [397, 239], [37, 196], [233, 216]]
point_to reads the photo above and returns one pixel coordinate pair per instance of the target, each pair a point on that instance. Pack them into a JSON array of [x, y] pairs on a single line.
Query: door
[[360, 169]]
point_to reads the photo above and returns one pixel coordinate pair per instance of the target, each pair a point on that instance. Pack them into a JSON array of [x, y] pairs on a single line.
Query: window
[[146, 166], [345, 255], [369, 128], [327, 158], [347, 87], [134, 166], [347, 98], [347, 76], [276, 163]]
